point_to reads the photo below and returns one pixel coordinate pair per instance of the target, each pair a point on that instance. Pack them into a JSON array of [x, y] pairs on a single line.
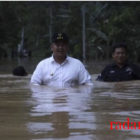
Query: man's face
[[59, 49], [120, 56]]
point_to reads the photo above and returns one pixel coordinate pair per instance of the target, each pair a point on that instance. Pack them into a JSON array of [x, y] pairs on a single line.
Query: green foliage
[[106, 23]]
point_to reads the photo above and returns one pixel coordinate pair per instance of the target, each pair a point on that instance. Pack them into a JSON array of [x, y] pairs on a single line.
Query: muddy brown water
[[79, 113]]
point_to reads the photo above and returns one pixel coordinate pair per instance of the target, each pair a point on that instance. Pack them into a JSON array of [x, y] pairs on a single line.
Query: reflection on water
[[65, 110], [80, 113]]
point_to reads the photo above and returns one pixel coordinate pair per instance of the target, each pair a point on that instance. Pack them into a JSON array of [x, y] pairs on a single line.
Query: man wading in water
[[60, 69], [121, 69]]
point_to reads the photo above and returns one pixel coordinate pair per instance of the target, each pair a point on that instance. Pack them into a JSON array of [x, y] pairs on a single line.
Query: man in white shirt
[[60, 70]]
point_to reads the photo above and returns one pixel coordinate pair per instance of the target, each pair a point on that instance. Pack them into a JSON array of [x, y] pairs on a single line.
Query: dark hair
[[19, 71], [119, 45]]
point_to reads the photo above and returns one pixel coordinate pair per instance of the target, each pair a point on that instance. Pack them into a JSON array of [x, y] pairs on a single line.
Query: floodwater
[[79, 113]]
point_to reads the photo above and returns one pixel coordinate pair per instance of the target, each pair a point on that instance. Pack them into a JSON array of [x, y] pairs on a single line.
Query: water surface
[[80, 113]]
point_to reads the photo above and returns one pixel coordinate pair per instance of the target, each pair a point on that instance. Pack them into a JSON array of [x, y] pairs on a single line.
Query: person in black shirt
[[121, 69]]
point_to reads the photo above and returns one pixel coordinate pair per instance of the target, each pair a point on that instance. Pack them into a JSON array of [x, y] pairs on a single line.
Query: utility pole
[[51, 20], [84, 33]]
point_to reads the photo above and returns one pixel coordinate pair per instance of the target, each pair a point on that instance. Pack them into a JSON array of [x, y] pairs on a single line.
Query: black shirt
[[113, 73]]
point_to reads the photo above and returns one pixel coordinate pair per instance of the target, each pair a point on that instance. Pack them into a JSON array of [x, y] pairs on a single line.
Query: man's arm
[[84, 77], [36, 78], [136, 72], [103, 75]]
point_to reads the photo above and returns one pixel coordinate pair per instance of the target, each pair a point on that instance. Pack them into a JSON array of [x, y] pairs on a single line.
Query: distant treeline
[[29, 26]]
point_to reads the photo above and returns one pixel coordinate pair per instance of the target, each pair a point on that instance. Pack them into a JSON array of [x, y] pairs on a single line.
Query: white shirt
[[69, 73]]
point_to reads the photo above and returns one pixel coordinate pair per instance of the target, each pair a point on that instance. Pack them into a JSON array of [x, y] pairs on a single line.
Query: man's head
[[19, 71], [59, 45], [119, 53]]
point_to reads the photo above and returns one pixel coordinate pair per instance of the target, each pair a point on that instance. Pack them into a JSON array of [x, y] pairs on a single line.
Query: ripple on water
[[42, 112]]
